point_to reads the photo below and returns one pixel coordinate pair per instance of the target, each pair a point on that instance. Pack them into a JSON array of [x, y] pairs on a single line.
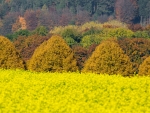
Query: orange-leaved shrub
[[81, 55], [27, 45], [138, 49], [108, 58], [144, 68], [53, 55], [9, 57]]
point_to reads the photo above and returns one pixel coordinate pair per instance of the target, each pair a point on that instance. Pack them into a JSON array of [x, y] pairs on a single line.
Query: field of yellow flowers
[[31, 92]]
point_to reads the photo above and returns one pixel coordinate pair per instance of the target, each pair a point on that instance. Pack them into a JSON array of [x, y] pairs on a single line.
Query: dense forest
[[30, 14]]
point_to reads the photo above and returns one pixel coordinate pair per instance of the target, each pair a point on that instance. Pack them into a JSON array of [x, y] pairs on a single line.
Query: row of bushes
[[88, 33], [136, 48], [84, 38], [94, 32], [94, 35], [54, 55]]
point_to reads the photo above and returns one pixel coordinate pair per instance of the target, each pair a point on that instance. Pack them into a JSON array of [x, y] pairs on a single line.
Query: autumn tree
[[89, 40], [9, 57], [53, 55], [82, 17], [8, 21], [81, 55], [41, 30], [135, 27], [91, 49], [31, 19], [48, 17], [20, 24], [126, 10], [108, 58], [66, 17], [26, 45], [138, 49], [44, 18], [144, 68], [71, 33]]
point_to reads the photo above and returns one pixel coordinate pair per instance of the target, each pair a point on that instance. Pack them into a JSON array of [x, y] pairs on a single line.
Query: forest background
[[50, 13]]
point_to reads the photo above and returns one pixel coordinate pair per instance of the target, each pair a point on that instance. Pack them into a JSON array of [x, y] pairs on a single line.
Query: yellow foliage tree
[[9, 57], [144, 68], [108, 58], [53, 55]]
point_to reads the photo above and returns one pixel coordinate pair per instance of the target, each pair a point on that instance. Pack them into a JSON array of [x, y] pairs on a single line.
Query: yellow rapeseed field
[[31, 92]]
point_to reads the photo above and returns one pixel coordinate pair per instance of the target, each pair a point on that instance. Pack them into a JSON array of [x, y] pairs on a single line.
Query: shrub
[[137, 49], [114, 24], [72, 33], [53, 55], [16, 34], [58, 30], [27, 45], [70, 41], [141, 34], [144, 68], [116, 32], [108, 58], [41, 30], [147, 28], [89, 25], [81, 55], [135, 27], [9, 57], [91, 31], [88, 40], [91, 49]]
